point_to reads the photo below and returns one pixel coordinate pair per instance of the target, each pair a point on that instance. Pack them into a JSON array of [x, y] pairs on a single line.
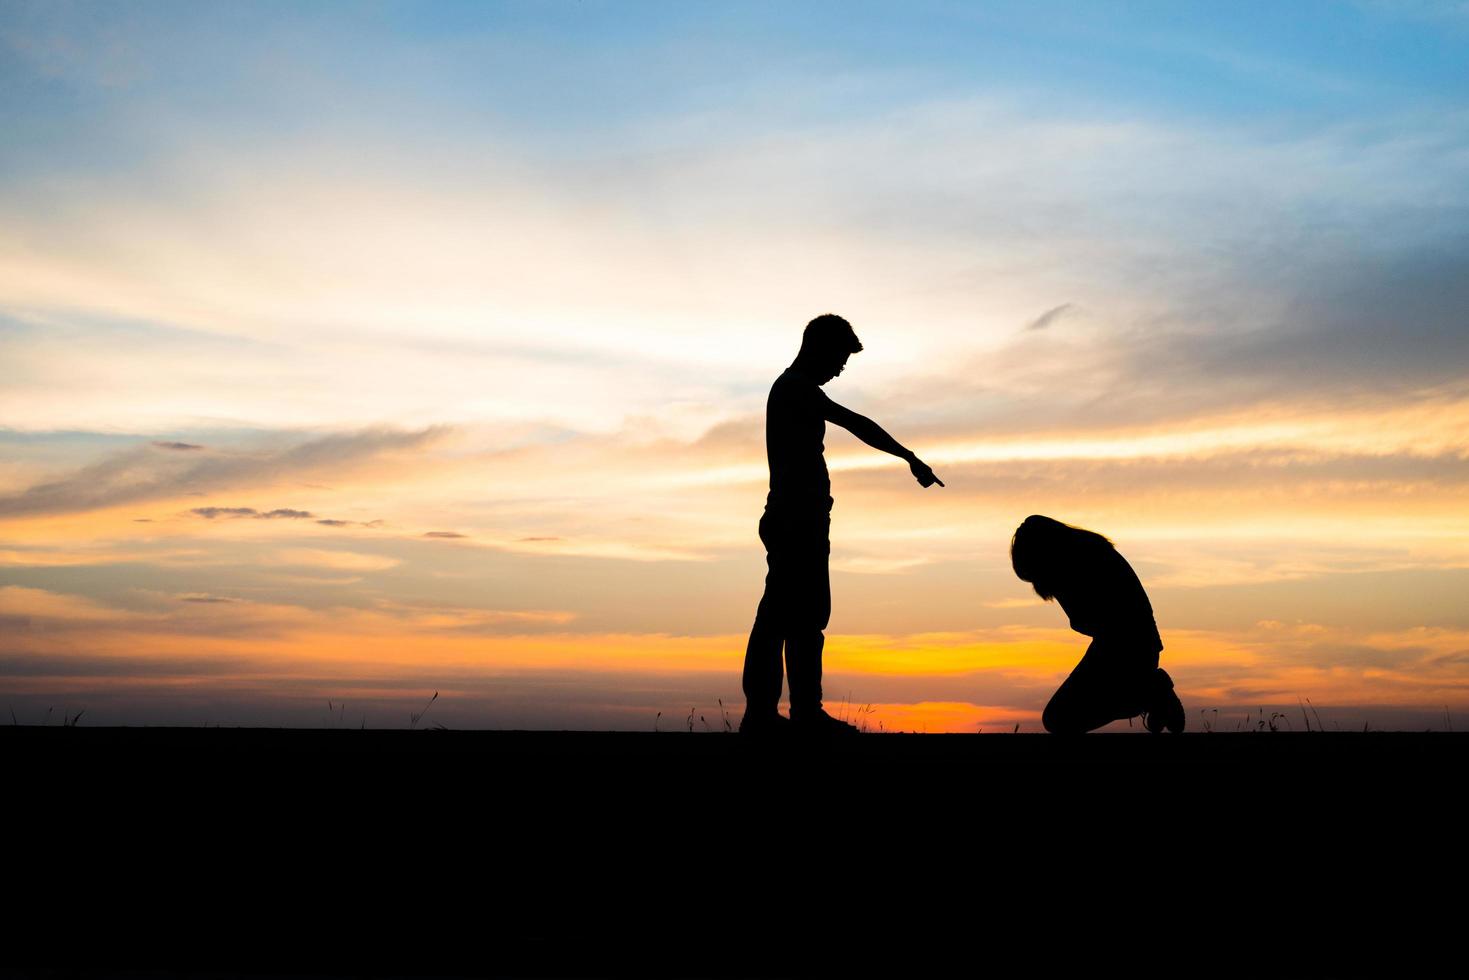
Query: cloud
[[444, 534], [99, 553], [269, 515], [1012, 603], [1372, 326], [29, 603], [1189, 473], [140, 474], [1138, 221], [350, 561], [1049, 317], [134, 667], [498, 622], [866, 565], [177, 445], [331, 581], [1350, 330], [213, 512], [206, 598]]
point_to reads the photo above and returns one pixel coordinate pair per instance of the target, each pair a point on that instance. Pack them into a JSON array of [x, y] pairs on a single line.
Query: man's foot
[[764, 723], [818, 722], [1164, 711]]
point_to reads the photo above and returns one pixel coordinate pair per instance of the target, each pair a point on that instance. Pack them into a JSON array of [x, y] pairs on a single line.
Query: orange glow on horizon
[[395, 653]]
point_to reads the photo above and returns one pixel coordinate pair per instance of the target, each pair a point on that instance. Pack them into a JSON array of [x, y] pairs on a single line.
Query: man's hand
[[923, 474]]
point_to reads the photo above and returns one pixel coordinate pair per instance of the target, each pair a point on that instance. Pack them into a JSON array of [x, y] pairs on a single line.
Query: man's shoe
[[764, 723], [818, 722], [1165, 711]]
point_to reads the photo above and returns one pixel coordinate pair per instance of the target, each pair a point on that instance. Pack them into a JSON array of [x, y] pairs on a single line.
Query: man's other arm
[[877, 437]]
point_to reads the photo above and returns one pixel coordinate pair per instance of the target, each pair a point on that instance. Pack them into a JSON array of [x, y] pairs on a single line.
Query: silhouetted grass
[[337, 714], [67, 721], [414, 718]]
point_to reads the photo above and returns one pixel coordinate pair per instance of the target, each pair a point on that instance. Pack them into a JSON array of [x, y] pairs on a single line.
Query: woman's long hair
[[1043, 549]]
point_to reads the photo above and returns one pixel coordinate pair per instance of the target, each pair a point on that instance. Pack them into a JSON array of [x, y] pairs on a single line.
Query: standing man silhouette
[[796, 529]]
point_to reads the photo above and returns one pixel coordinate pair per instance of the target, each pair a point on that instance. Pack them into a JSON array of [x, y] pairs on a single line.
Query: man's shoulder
[[785, 388], [794, 384], [797, 399]]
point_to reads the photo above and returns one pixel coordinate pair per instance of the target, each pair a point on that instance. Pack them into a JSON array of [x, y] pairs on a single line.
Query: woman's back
[[1103, 597]]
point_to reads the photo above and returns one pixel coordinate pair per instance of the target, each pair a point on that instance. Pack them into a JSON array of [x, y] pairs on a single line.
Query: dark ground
[[245, 852]]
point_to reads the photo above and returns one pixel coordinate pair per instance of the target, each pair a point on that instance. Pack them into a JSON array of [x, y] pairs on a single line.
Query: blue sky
[[94, 80]]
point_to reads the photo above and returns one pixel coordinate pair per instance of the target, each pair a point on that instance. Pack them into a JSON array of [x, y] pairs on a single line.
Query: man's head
[[826, 344]]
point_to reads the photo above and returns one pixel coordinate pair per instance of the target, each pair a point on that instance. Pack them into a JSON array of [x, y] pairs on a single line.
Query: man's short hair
[[830, 334]]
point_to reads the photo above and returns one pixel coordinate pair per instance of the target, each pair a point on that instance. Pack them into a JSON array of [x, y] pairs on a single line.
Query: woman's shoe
[[1165, 711]]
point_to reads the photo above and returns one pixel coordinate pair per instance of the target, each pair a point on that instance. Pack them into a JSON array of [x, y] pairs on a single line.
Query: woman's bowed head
[[1119, 676], [1043, 552]]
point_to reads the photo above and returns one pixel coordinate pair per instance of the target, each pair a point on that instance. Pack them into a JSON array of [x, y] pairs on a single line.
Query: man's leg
[[810, 611], [762, 676], [763, 672]]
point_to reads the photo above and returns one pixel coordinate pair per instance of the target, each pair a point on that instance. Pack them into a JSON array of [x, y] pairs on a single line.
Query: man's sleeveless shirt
[[795, 427]]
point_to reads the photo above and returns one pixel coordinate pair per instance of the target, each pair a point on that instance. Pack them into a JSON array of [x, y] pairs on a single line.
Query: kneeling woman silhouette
[[1119, 676]]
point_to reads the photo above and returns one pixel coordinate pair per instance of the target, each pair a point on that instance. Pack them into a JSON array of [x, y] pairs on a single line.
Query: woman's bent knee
[[1059, 724], [1063, 718]]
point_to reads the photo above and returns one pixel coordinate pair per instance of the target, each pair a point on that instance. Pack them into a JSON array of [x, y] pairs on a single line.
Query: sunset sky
[[358, 352]]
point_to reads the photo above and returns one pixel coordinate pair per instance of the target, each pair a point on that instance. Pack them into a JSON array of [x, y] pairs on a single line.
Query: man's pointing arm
[[877, 437]]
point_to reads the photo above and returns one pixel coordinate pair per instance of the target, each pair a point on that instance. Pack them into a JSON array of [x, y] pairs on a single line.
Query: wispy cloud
[[44, 604], [1049, 317], [144, 474], [267, 515], [347, 561], [215, 512], [1012, 603]]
